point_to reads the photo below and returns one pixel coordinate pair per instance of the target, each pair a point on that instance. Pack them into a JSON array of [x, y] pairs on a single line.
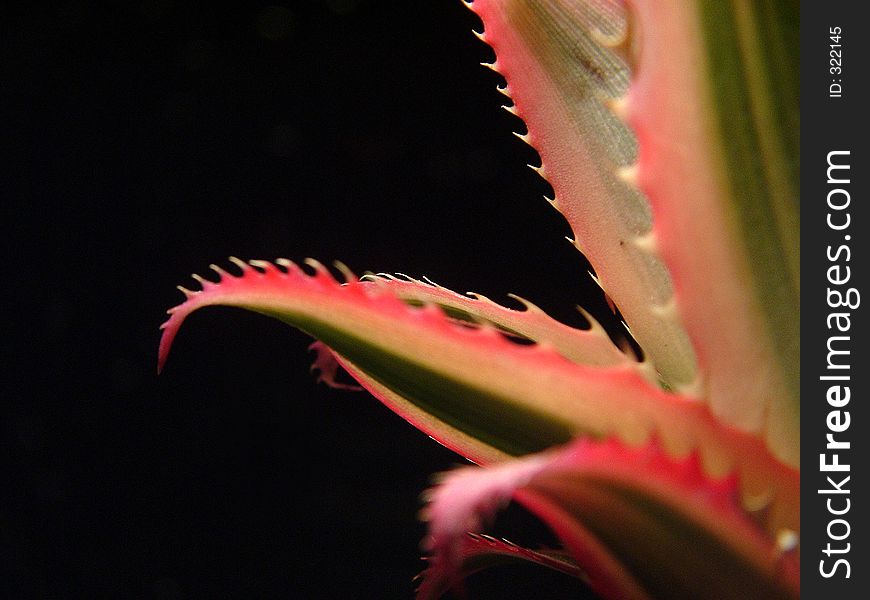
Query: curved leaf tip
[[235, 290]]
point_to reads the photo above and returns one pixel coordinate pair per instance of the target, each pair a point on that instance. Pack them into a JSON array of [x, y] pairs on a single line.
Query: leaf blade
[[716, 133], [634, 518], [561, 78], [515, 399]]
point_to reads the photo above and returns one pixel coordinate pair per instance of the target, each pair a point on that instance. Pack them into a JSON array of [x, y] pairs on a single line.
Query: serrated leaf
[[589, 346], [503, 398], [561, 78]]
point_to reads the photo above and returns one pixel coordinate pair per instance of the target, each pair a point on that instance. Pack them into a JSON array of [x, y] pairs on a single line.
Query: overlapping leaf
[[478, 392], [715, 122], [641, 524], [716, 119]]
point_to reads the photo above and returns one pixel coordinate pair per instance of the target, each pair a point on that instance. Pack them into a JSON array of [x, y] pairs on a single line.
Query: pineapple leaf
[[480, 393], [639, 523], [714, 104], [562, 80]]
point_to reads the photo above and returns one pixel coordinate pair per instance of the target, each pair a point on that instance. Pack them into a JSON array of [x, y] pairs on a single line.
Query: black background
[[144, 141]]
